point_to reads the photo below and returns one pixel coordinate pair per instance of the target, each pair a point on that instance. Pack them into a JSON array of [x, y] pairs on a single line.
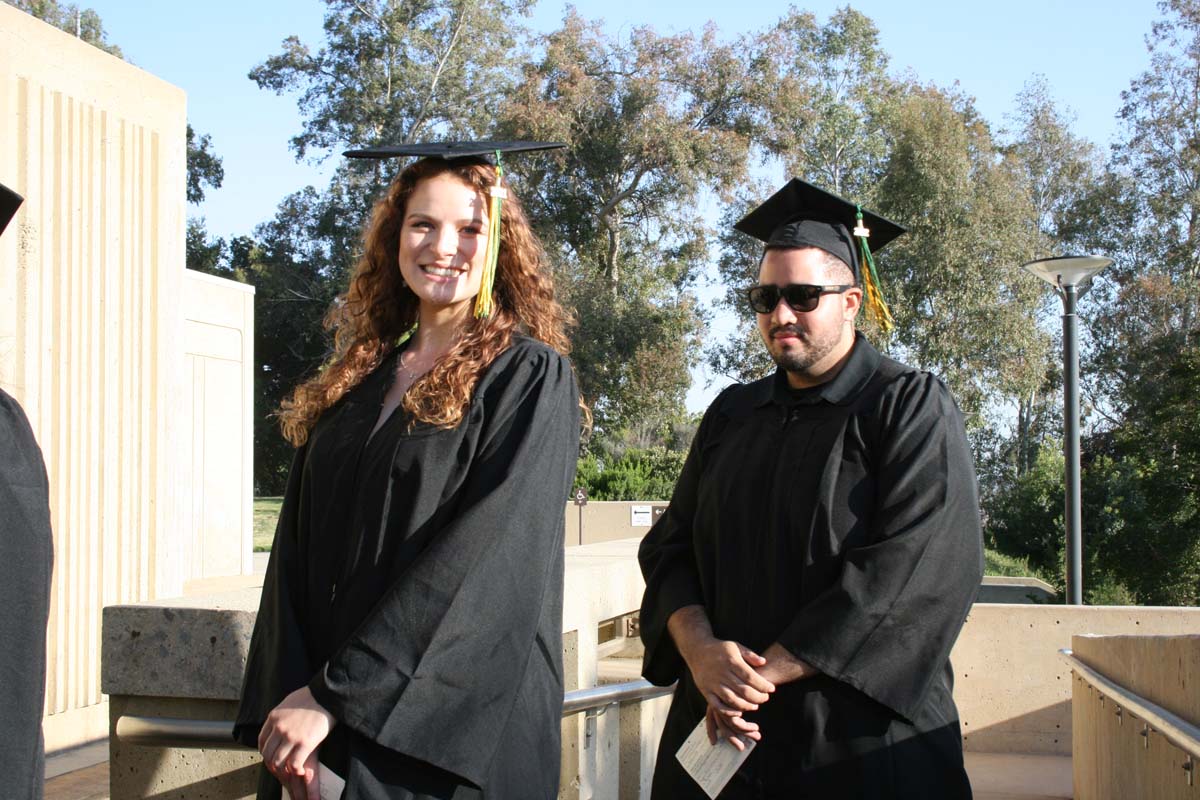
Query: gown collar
[[845, 386]]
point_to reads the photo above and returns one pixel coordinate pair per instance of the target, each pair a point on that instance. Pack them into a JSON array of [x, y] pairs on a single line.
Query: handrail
[[218, 734], [601, 696], [168, 732], [1171, 727]]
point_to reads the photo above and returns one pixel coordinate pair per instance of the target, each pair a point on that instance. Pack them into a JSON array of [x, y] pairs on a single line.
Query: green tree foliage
[[289, 263], [638, 474], [204, 254], [650, 123], [204, 168], [821, 96], [963, 309], [395, 72]]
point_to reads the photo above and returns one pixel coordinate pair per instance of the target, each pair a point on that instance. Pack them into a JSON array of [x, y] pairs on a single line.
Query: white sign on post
[[640, 515]]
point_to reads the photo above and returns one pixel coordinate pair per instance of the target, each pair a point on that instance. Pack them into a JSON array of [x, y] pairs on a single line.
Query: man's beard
[[813, 348]]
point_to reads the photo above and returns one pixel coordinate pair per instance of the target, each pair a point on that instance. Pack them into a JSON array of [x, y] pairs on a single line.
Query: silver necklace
[[411, 375]]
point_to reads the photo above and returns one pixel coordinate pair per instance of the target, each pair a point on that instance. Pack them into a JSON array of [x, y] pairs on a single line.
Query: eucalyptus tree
[[654, 125], [963, 308], [821, 95], [1145, 325]]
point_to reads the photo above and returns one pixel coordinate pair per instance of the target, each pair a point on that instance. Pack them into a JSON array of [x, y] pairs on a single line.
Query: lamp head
[[1063, 271]]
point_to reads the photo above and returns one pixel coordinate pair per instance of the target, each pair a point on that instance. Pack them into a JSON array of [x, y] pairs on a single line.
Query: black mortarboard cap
[[802, 215], [451, 150], [10, 201]]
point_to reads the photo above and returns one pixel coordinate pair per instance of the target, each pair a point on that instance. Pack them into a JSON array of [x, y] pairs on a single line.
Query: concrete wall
[[90, 276], [610, 520], [122, 387], [1112, 759], [218, 422], [1013, 689]]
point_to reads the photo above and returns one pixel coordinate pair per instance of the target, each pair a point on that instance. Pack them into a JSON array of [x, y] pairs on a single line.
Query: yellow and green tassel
[[874, 302], [483, 301]]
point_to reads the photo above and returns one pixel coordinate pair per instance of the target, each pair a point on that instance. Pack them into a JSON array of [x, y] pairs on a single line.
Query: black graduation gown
[[843, 523], [415, 585], [26, 558]]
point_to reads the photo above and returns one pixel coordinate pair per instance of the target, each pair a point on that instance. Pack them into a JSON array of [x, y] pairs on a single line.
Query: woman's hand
[[289, 740]]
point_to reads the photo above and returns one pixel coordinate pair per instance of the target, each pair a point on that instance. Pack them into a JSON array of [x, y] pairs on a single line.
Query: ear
[[851, 303]]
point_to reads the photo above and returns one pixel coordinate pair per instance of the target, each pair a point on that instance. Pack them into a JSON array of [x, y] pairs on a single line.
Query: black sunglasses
[[799, 296]]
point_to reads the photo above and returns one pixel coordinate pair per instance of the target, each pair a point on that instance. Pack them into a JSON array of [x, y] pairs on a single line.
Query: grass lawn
[[998, 564], [266, 512]]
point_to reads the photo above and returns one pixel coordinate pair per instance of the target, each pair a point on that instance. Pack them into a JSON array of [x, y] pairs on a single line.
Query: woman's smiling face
[[443, 241]]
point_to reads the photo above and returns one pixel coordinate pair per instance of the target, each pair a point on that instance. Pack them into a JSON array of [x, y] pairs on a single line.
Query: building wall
[[92, 341], [218, 441], [609, 520]]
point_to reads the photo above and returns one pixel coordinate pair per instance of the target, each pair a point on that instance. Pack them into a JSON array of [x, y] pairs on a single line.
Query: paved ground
[[89, 783]]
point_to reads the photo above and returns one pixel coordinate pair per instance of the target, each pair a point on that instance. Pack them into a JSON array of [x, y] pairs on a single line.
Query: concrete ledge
[[192, 647], [1007, 589]]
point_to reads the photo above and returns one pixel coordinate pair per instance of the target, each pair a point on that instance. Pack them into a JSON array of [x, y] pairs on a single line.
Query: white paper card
[[331, 784], [640, 515], [711, 765]]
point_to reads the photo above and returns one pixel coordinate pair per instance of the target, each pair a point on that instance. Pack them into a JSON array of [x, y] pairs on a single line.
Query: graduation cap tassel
[[875, 304], [483, 301]]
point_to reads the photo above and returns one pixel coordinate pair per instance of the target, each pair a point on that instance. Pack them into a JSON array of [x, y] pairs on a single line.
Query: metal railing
[[1155, 719], [218, 734]]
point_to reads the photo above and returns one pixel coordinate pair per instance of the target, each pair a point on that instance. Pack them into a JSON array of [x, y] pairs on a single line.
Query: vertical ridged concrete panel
[[217, 447], [90, 276]]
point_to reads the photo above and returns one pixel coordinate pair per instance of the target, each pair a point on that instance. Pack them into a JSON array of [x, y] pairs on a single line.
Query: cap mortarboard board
[[10, 201], [450, 151], [803, 215]]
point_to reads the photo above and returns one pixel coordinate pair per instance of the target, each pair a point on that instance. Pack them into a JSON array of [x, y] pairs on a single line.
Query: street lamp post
[[1071, 277]]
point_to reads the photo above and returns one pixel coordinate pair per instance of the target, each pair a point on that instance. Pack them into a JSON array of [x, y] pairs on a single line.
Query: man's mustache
[[792, 329]]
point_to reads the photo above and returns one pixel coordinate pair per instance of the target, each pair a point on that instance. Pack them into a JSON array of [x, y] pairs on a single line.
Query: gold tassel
[[876, 307], [483, 301]]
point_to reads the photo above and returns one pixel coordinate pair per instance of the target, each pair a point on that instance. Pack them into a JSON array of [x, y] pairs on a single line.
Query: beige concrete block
[[167, 773], [193, 647], [1012, 687]]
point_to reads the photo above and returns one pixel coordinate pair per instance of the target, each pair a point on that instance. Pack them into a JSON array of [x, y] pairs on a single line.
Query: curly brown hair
[[379, 308]]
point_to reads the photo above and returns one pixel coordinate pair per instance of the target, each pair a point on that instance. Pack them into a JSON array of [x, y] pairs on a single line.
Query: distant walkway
[[89, 783]]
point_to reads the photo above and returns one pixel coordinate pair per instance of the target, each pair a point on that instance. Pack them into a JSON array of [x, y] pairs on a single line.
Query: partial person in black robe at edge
[[410, 628], [822, 547], [26, 563]]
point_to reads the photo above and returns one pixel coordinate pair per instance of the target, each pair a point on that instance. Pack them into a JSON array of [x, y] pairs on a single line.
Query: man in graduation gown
[[26, 559], [822, 546]]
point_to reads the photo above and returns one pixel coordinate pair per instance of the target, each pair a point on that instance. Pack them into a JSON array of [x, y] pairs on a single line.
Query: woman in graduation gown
[[409, 633]]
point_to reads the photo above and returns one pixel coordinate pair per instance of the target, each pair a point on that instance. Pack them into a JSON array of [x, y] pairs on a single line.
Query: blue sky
[[1088, 53]]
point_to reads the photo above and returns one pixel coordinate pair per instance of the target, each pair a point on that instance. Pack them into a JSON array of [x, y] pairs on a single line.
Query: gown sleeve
[[669, 565], [435, 669], [26, 560], [887, 625], [277, 663]]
